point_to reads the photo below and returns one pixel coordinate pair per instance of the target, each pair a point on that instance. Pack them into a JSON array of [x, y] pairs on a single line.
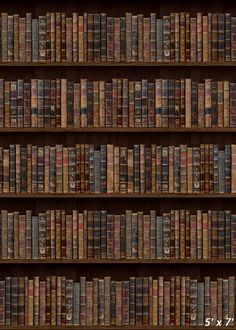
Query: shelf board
[[114, 327], [122, 196], [119, 64], [117, 261], [118, 129]]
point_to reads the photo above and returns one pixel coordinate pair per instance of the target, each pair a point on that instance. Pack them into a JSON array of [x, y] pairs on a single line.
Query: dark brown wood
[[113, 327], [119, 262], [118, 64], [112, 196], [118, 130]]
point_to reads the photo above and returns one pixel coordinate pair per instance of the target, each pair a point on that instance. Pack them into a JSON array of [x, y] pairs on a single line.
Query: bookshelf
[[162, 202]]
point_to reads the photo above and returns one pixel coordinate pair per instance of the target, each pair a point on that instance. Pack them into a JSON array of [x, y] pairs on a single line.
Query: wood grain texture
[[118, 130], [119, 262]]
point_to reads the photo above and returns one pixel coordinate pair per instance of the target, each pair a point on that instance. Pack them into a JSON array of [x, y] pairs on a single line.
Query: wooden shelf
[[114, 327], [118, 64], [110, 196], [118, 129], [111, 262]]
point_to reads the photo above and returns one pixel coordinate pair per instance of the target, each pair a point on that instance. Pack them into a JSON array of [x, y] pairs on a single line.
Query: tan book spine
[[69, 237], [36, 311], [95, 300], [53, 300], [188, 102], [116, 169], [128, 28], [207, 102], [226, 104], [117, 39], [31, 302], [171, 169], [75, 234], [22, 233], [118, 303], [146, 39], [6, 171], [116, 236], [154, 303], [233, 170], [140, 37], [29, 168], [177, 300], [153, 151], [63, 102], [190, 169], [81, 38], [58, 234], [16, 37], [96, 116], [130, 171], [205, 38], [58, 37], [107, 298], [146, 236], [205, 236], [53, 36], [102, 104], [7, 112], [84, 102], [22, 27], [177, 37], [59, 301], [131, 104], [161, 300], [166, 306], [140, 229], [142, 168], [16, 235], [18, 174], [219, 298], [89, 303], [53, 234], [65, 170], [182, 36], [42, 303], [69, 36], [182, 231], [47, 168], [193, 39], [158, 102], [110, 166], [220, 105], [34, 102], [75, 36], [81, 236]]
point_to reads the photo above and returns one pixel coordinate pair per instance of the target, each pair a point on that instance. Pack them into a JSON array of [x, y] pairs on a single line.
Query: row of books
[[178, 234], [117, 103], [85, 168], [98, 37], [58, 300]]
